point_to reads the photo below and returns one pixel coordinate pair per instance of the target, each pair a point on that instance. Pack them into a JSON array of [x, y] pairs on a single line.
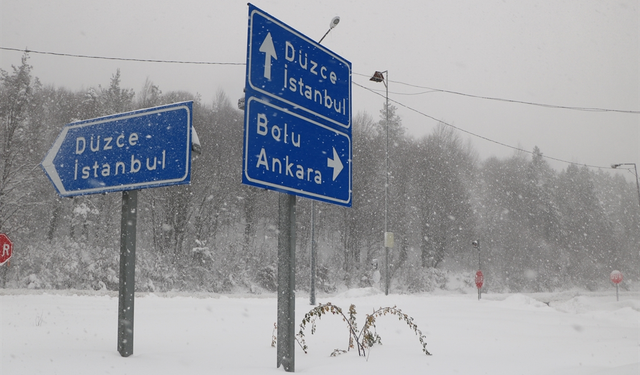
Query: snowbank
[[75, 333]]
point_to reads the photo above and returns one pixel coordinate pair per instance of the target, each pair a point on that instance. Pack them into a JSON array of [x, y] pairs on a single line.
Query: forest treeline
[[539, 228]]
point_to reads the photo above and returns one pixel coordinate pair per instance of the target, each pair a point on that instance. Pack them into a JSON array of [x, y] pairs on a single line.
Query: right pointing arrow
[[269, 51], [335, 163]]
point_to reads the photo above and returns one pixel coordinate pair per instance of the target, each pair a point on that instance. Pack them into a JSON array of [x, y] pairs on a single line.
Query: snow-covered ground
[[73, 332]]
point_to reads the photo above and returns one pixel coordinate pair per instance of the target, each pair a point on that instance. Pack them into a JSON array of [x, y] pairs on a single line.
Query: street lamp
[[334, 22], [312, 290], [635, 168], [388, 237], [476, 244]]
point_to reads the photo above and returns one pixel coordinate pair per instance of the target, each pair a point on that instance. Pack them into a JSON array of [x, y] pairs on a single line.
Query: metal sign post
[[126, 292], [297, 138], [286, 281], [479, 281], [616, 278], [312, 288], [124, 152], [479, 276]]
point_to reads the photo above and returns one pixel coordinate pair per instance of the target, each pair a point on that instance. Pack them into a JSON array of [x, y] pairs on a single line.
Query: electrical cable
[[431, 90], [478, 135], [122, 58]]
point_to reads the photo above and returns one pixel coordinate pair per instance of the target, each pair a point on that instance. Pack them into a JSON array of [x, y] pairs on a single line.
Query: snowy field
[[67, 332]]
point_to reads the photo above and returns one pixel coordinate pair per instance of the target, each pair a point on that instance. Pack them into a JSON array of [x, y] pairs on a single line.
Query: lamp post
[[635, 168], [479, 276], [312, 289], [388, 237], [476, 244]]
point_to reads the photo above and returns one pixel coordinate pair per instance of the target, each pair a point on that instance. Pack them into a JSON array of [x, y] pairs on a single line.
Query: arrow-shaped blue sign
[[127, 151]]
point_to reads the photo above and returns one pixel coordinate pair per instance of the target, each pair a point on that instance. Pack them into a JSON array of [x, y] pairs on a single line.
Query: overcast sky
[[580, 53]]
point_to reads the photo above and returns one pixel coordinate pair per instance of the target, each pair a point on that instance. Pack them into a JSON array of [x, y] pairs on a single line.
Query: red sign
[[479, 279], [6, 248], [616, 277]]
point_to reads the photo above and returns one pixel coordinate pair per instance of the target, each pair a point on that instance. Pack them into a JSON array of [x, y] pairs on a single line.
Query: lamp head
[[377, 77], [334, 22]]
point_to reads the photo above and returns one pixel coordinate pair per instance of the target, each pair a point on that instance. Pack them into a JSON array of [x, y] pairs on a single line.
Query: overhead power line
[[478, 135], [373, 91], [574, 108], [122, 58], [430, 89]]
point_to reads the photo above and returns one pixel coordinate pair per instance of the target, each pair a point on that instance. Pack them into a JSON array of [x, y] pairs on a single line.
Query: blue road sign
[[288, 66], [287, 152], [297, 136], [127, 151]]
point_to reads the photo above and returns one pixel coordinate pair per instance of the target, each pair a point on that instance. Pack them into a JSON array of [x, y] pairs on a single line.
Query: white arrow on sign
[[269, 51], [335, 163], [47, 163]]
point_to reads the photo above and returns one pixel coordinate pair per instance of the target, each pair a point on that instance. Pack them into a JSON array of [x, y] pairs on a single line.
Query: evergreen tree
[[446, 221], [116, 99], [17, 90], [587, 230]]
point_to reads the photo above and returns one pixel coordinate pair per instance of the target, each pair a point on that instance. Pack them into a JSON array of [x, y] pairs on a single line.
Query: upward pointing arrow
[[335, 163], [269, 51]]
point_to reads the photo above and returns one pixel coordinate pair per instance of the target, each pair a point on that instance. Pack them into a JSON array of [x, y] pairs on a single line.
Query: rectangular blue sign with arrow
[[286, 65], [287, 152], [297, 135], [127, 151]]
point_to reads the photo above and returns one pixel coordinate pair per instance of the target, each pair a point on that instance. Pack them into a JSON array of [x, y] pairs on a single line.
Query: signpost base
[[126, 291], [616, 278], [286, 281]]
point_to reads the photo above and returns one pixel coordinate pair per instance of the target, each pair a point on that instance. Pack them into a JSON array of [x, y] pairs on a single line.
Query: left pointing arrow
[[48, 162], [335, 163], [269, 51]]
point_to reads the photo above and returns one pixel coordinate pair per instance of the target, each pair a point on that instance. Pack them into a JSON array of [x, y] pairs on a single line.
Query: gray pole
[[476, 244], [386, 190], [637, 183], [379, 76], [479, 261], [312, 291], [479, 269], [286, 281], [635, 169], [126, 292]]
